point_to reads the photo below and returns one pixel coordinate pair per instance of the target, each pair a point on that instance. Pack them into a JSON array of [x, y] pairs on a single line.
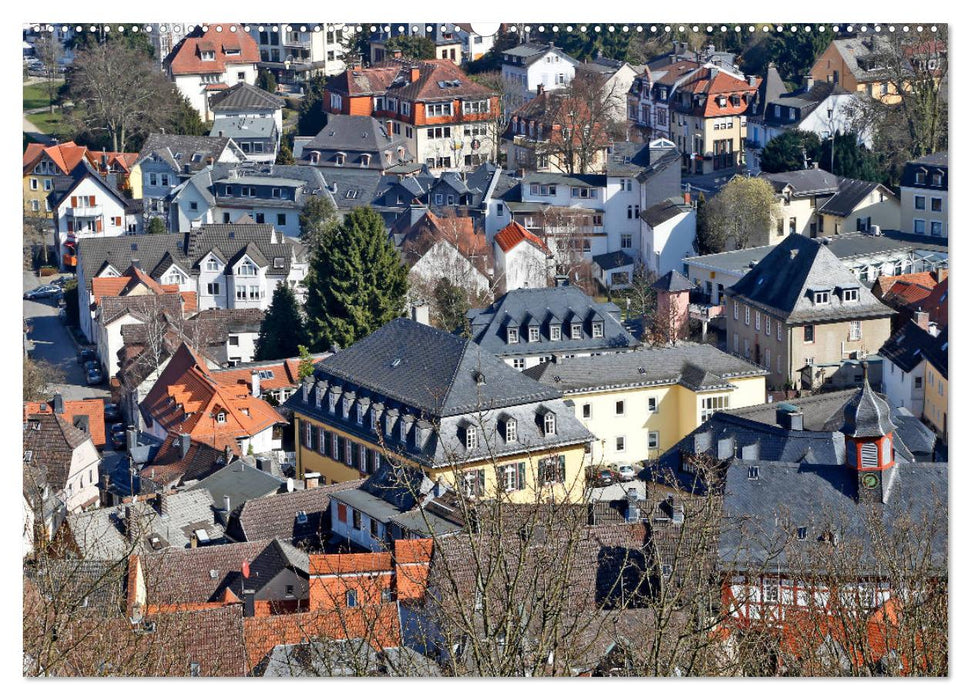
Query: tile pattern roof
[[435, 81], [514, 234], [457, 231], [186, 57], [784, 281], [187, 396], [275, 516], [243, 97], [51, 440], [66, 156], [645, 367], [563, 304], [86, 412], [716, 83], [171, 466]]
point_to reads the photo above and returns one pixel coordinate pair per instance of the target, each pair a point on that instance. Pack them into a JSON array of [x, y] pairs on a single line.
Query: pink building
[[672, 306]]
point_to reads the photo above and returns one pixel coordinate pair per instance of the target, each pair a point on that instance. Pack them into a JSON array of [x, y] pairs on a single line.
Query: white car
[[626, 472]]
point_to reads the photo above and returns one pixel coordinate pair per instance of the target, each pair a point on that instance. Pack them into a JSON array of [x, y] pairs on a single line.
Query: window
[[937, 228], [519, 363], [514, 476], [920, 177], [770, 592], [552, 470], [549, 424], [853, 294], [802, 532], [920, 202], [619, 408], [820, 297], [768, 326], [748, 316], [586, 410], [653, 440], [512, 335], [473, 483], [620, 443], [234, 340], [356, 519], [735, 310], [439, 109], [918, 382], [533, 334], [212, 265], [626, 240], [792, 225], [247, 269], [281, 219], [598, 329], [758, 321], [351, 595], [919, 226], [711, 404], [809, 334], [476, 107], [34, 185], [471, 437], [194, 668], [575, 330], [375, 529], [220, 417]]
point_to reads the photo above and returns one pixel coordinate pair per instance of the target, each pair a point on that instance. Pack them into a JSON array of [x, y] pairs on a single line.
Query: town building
[[908, 294], [923, 196], [526, 327], [265, 194], [225, 267], [803, 316], [615, 78], [295, 52], [189, 399], [87, 415], [447, 119], [168, 160], [859, 64], [935, 385], [465, 417], [522, 259], [638, 404], [668, 232], [252, 117], [208, 61], [447, 38], [532, 64], [904, 364], [354, 141]]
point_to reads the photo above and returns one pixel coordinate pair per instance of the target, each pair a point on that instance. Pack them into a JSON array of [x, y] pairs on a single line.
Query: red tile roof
[[514, 234], [378, 80], [936, 303], [331, 564], [924, 279], [94, 409], [65, 155], [186, 58], [722, 84], [187, 398], [412, 560], [285, 374]]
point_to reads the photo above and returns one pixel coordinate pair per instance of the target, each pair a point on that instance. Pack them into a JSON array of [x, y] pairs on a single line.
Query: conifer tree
[[283, 330], [357, 282]]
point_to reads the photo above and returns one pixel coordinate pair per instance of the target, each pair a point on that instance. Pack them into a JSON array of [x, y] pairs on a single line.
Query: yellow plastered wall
[[935, 400], [135, 182]]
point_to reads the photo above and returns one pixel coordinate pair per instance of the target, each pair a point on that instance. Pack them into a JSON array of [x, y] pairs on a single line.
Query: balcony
[[84, 212]]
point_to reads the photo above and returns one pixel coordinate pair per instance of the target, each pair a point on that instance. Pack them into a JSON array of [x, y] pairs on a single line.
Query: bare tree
[[48, 50]]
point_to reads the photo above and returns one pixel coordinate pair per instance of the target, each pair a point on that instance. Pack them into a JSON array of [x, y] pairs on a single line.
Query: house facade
[[88, 208], [858, 65], [522, 259], [467, 418], [207, 62], [935, 386], [923, 196], [532, 64], [48, 169], [668, 232], [802, 315], [639, 404], [294, 52], [252, 117]]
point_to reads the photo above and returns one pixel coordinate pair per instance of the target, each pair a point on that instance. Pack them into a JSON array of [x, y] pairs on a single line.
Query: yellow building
[[414, 395], [639, 404], [858, 65], [45, 169], [935, 386]]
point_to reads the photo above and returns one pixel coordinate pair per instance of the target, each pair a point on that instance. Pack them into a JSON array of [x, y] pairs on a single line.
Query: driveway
[[53, 343]]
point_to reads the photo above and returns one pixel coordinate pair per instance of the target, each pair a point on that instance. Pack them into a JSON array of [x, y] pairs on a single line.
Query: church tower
[[868, 428]]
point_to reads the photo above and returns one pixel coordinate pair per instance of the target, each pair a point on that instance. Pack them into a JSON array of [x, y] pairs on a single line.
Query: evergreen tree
[[845, 157], [357, 282], [789, 151], [155, 226], [311, 118], [419, 47], [318, 220], [451, 304], [185, 119], [283, 330], [285, 155], [266, 81]]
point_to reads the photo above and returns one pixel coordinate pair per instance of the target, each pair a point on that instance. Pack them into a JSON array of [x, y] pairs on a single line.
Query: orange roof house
[[227, 48], [189, 399], [65, 156], [514, 234], [717, 93], [88, 415]]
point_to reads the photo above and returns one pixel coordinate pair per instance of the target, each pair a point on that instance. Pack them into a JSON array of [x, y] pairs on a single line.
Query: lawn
[[46, 122], [35, 95]]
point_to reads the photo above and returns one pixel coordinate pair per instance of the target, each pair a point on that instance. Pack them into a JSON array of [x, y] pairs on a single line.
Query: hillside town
[[445, 350]]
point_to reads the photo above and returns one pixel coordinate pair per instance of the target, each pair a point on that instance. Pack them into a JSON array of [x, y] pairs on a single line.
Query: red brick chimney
[[415, 74], [922, 319], [540, 89]]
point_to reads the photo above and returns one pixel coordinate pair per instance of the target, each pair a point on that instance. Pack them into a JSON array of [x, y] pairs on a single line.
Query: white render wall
[[898, 387], [666, 245], [193, 89], [524, 266]]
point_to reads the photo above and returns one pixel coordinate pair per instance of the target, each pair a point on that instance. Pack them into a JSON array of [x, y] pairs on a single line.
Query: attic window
[[512, 335], [937, 179], [301, 517], [851, 295], [598, 329], [352, 194], [28, 456], [753, 473], [207, 55], [193, 668], [549, 424], [196, 157], [820, 297], [471, 437], [266, 374], [575, 330], [231, 52], [554, 331], [510, 430], [802, 532], [213, 573], [221, 417]]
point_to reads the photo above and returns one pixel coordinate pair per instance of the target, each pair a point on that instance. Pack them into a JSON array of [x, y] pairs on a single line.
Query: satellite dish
[[289, 485]]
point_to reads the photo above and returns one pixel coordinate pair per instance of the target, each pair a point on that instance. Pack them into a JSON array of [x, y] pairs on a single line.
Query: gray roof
[[562, 305], [533, 51], [850, 193], [243, 96], [805, 183], [307, 180], [673, 281], [353, 135], [244, 127], [862, 55], [100, 534], [354, 187], [240, 482], [628, 158], [771, 88], [664, 211], [783, 283], [761, 515], [185, 153], [650, 366], [187, 249], [866, 415], [611, 261], [929, 163], [907, 347]]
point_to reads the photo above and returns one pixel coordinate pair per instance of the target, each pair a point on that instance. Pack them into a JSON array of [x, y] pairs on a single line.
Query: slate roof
[[866, 48], [612, 261], [664, 211], [866, 414], [240, 482], [244, 127], [771, 88], [307, 182], [275, 515], [935, 162], [351, 134], [673, 281], [558, 304], [185, 154], [532, 51], [850, 194], [936, 353], [650, 366], [243, 96], [82, 172], [51, 440], [100, 534], [804, 183], [784, 280]]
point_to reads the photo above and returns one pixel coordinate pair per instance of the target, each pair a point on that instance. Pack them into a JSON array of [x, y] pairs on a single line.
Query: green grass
[[35, 95], [46, 122]]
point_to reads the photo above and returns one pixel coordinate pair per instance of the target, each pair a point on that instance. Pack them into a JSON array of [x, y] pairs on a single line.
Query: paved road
[[53, 343]]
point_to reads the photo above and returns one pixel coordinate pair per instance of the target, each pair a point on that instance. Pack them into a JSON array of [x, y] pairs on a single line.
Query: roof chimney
[[751, 80], [561, 281], [808, 79], [389, 127], [687, 198], [129, 523], [255, 383], [922, 319], [415, 74], [132, 438], [184, 443], [249, 605], [540, 89], [789, 417], [58, 403], [633, 512], [940, 274], [103, 489]]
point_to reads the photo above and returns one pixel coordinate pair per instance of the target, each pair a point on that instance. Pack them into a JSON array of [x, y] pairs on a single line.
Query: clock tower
[[868, 431]]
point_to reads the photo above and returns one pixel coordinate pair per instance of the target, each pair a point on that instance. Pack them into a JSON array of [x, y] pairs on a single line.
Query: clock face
[[870, 481]]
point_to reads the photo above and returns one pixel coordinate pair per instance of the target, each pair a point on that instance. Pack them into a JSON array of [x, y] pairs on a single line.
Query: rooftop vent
[[395, 362], [753, 473]]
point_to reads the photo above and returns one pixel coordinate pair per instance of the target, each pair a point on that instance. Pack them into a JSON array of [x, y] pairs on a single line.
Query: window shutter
[[74, 202], [311, 437], [521, 475], [92, 201], [356, 458], [481, 478], [98, 226], [561, 469], [342, 512], [322, 441]]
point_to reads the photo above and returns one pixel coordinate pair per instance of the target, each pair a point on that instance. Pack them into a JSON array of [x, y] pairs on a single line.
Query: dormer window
[[346, 407], [207, 55], [937, 179], [851, 295], [598, 329], [471, 437], [821, 297], [332, 402], [510, 430], [360, 414], [315, 157], [221, 417], [920, 177], [212, 265], [403, 431], [247, 269], [374, 420], [340, 158], [555, 332], [549, 424], [365, 160], [534, 334], [512, 335], [575, 330]]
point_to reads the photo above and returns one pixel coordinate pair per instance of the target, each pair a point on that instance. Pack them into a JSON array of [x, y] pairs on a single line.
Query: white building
[[295, 51], [904, 364], [252, 117], [205, 63], [531, 64], [522, 259], [668, 235]]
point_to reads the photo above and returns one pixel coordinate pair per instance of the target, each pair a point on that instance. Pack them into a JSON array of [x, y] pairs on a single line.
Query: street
[[52, 343]]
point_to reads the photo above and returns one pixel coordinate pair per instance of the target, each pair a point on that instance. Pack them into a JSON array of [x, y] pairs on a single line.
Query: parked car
[[42, 292], [63, 281], [118, 440], [112, 412], [626, 472], [87, 355], [605, 478], [94, 375]]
